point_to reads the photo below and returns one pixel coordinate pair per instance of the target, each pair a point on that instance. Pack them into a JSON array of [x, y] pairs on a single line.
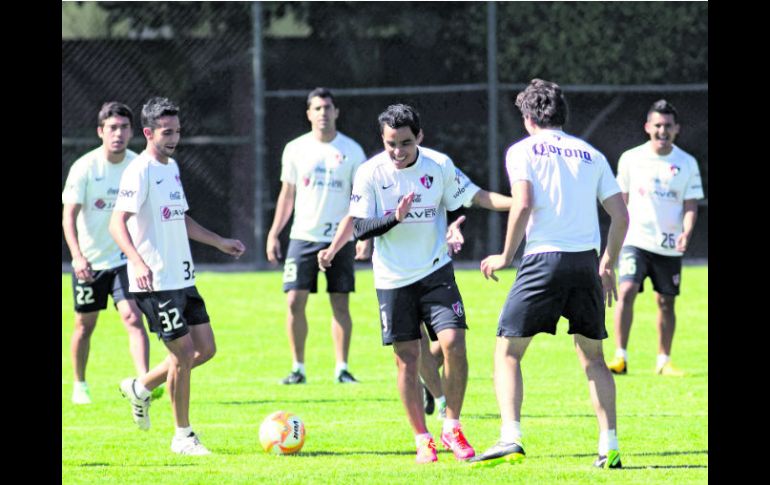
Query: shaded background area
[[613, 59]]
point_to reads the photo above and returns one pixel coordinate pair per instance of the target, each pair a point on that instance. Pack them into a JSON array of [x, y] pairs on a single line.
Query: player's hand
[[490, 264], [609, 286], [143, 275], [233, 247], [454, 236], [404, 205], [363, 250], [273, 249], [82, 269], [325, 258], [682, 242]]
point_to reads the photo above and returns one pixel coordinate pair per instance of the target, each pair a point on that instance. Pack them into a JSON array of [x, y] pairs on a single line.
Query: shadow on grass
[[623, 455], [303, 400], [308, 454], [585, 415], [97, 464]]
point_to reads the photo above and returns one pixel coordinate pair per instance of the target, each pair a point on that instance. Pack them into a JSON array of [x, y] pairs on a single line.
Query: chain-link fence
[[202, 56]]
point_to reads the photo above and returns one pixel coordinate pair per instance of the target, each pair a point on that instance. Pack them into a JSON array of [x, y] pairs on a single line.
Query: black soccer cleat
[[346, 377], [296, 377], [501, 452]]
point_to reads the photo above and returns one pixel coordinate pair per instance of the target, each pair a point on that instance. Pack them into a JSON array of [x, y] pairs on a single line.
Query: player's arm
[[283, 209], [492, 201], [196, 232], [690, 216], [80, 265], [518, 216], [616, 208], [119, 232]]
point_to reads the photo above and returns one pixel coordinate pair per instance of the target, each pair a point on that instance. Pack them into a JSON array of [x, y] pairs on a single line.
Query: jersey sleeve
[[623, 179], [133, 188], [469, 189], [516, 164], [694, 189], [363, 202], [75, 187], [453, 186], [607, 186], [288, 168]]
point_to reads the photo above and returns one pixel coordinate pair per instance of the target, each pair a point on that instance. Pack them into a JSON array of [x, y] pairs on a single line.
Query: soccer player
[[400, 197], [556, 180], [98, 265], [661, 184], [316, 180], [150, 226]]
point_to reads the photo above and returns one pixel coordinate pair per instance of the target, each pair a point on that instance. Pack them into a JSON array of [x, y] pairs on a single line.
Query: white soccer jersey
[[568, 176], [657, 186], [153, 192], [93, 183], [416, 246], [322, 174]]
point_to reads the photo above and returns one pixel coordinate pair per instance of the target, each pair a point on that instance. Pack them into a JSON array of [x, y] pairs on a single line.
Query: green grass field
[[359, 433]]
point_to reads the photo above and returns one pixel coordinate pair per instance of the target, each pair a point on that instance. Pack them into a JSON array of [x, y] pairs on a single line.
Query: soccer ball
[[282, 433]]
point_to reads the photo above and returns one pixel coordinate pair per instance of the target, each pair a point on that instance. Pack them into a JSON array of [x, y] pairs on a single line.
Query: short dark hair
[[156, 108], [543, 102], [320, 93], [399, 115], [663, 107], [114, 108]]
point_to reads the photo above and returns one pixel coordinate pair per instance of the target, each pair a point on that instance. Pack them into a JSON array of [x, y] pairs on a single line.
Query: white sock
[[450, 424], [662, 360], [419, 437], [621, 353], [81, 384], [341, 366], [298, 367], [140, 390], [440, 401], [183, 432], [510, 432], [608, 440]]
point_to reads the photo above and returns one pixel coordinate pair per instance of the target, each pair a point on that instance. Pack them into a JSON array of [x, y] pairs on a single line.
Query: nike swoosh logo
[[385, 187], [161, 305], [97, 179], [383, 306], [159, 181]]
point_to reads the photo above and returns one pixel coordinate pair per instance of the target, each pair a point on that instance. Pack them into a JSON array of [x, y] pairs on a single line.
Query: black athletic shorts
[[665, 272], [434, 300], [300, 271], [92, 297], [170, 313], [549, 286]]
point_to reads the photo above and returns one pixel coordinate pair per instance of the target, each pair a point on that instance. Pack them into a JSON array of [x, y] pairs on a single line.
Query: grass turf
[[359, 433]]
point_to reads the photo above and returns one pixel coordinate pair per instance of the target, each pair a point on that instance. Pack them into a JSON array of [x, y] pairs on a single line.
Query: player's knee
[[666, 303], [207, 352], [84, 325]]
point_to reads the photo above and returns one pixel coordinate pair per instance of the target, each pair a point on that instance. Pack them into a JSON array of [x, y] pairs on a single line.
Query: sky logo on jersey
[[426, 180], [171, 213], [355, 197], [458, 308], [127, 193], [675, 170]]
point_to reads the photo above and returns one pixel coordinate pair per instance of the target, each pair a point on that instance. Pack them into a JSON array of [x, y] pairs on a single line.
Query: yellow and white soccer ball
[[282, 433]]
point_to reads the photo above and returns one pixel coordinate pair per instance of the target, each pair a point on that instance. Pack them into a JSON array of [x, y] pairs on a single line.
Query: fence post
[[260, 188], [493, 218]]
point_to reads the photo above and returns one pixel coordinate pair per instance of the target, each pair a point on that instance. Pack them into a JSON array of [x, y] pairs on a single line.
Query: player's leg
[[632, 269], [601, 386], [131, 316], [297, 329], [138, 341], [340, 279], [452, 342], [407, 357], [80, 343], [666, 323], [429, 373]]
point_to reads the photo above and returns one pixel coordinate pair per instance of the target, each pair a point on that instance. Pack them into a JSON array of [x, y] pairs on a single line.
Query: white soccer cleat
[[140, 407], [81, 394], [189, 445]]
